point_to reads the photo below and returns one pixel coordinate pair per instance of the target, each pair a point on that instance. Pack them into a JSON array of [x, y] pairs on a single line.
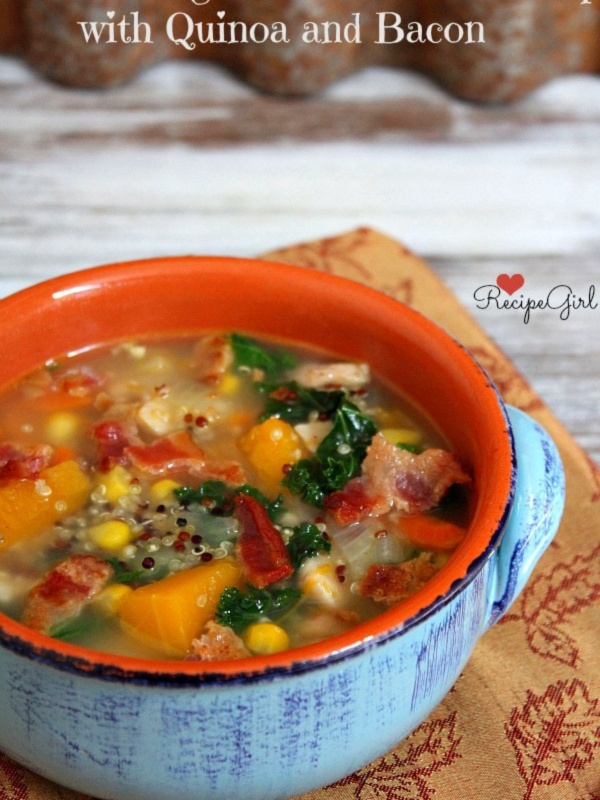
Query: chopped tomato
[[111, 441], [260, 546]]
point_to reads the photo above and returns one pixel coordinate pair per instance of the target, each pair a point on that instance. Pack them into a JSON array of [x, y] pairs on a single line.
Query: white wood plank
[[188, 159]]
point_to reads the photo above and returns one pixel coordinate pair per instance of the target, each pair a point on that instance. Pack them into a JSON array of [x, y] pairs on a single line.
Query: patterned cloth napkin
[[523, 720]]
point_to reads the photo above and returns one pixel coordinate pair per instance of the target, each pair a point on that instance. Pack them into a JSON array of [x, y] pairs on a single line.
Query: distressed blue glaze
[[536, 511], [281, 733]]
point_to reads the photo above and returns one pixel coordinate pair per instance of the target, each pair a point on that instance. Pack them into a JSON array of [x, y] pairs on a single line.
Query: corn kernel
[[402, 436], [161, 490], [62, 427], [230, 384], [264, 638], [389, 417], [110, 598], [116, 483], [112, 535]]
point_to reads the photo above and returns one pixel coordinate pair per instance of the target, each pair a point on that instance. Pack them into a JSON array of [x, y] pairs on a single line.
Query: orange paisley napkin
[[523, 720]]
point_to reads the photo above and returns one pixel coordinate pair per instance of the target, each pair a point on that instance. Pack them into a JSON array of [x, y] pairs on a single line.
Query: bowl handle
[[536, 512]]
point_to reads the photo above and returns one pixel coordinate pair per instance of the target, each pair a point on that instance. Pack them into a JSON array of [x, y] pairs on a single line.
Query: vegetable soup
[[216, 497]]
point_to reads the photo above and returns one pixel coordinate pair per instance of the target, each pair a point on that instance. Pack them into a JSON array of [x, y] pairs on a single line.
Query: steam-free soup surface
[[216, 497]]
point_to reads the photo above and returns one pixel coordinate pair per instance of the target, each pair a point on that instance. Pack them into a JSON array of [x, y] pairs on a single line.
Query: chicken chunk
[[322, 376], [212, 357]]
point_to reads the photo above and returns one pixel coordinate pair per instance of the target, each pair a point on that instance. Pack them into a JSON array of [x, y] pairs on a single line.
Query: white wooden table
[[186, 159]]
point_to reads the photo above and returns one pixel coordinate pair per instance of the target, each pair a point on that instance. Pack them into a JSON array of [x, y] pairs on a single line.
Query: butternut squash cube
[[28, 507], [269, 446], [172, 612]]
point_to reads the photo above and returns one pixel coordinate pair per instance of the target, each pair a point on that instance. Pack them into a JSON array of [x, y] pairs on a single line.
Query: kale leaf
[[343, 450], [124, 575], [238, 609], [215, 493], [307, 480], [306, 541], [337, 459], [219, 495], [294, 403], [74, 628], [411, 448], [251, 354]]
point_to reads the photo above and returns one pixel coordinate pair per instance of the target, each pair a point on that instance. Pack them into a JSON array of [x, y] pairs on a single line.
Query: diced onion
[[356, 544], [214, 529], [365, 543], [390, 549]]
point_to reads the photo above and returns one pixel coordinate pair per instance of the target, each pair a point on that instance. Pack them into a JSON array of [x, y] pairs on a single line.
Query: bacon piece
[[395, 478], [174, 453], [410, 483], [75, 388], [390, 583], [217, 643], [23, 462], [260, 546], [64, 591], [211, 358], [349, 504], [226, 471], [179, 454], [80, 383]]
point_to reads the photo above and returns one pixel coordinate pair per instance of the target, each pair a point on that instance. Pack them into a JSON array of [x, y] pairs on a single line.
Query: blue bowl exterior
[[536, 511], [275, 735], [270, 738]]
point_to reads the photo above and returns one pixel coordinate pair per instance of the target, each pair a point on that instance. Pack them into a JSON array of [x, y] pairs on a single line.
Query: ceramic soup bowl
[[279, 725]]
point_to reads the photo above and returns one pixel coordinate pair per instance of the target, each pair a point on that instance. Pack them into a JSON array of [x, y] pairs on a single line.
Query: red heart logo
[[510, 283]]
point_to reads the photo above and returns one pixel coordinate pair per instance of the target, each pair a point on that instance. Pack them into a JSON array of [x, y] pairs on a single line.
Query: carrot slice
[[61, 401], [71, 391], [432, 533]]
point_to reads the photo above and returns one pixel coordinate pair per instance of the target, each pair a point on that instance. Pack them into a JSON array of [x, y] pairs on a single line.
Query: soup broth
[[216, 497]]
